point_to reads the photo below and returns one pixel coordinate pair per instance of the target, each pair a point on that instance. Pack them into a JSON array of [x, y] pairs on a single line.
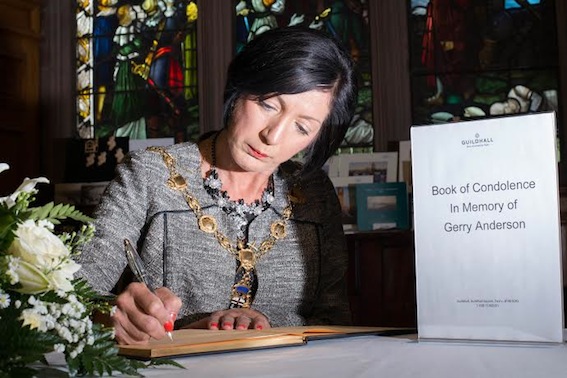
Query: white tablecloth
[[379, 357]]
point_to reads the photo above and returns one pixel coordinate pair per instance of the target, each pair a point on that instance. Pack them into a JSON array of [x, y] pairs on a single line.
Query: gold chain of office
[[247, 254]]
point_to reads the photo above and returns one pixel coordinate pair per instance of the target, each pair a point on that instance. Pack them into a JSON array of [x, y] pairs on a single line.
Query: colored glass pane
[[137, 69], [472, 59]]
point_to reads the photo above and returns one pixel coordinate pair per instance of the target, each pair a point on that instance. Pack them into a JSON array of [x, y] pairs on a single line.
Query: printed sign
[[487, 229]]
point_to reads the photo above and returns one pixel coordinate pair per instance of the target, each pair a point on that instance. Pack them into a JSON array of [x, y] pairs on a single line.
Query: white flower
[[33, 319], [27, 186], [61, 277], [11, 272], [45, 263], [38, 246], [4, 299], [41, 259]]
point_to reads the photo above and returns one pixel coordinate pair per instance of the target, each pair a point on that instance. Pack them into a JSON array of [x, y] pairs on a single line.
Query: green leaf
[[21, 346], [165, 361], [42, 211], [103, 357], [8, 225], [55, 214]]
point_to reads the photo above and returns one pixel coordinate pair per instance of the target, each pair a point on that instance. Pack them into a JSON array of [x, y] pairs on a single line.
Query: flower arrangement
[[42, 307]]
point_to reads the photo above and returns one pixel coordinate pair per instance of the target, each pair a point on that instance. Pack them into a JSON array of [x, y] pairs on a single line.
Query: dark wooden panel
[[382, 278], [19, 92]]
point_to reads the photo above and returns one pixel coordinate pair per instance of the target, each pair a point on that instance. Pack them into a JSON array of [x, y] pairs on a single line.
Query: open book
[[197, 341]]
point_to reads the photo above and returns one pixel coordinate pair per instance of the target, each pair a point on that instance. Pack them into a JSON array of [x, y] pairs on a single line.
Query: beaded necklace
[[241, 212]]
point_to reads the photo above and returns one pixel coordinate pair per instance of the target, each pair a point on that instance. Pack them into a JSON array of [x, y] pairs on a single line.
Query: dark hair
[[291, 60]]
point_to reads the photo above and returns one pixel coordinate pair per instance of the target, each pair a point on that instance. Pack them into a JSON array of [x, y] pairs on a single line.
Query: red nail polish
[[215, 325], [227, 324], [168, 326], [259, 327]]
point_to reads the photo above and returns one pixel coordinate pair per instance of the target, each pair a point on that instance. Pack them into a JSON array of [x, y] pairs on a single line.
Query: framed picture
[[331, 167], [346, 191], [94, 160], [404, 163], [383, 166], [382, 206]]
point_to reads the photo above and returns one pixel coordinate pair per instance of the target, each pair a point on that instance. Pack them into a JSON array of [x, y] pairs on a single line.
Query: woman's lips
[[257, 154]]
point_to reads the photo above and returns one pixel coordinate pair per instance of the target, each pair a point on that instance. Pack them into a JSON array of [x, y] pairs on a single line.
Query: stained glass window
[[473, 59], [345, 19], [137, 69]]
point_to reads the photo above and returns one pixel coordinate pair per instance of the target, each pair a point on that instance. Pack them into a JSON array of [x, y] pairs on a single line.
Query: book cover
[[345, 187], [382, 206]]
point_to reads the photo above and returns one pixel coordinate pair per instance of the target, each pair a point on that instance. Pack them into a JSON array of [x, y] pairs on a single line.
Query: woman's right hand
[[141, 314]]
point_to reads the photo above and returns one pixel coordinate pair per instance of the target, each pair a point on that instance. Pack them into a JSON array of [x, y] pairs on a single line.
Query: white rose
[[38, 246], [33, 281], [40, 249]]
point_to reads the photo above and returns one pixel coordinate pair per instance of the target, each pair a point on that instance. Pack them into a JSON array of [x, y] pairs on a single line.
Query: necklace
[[240, 212], [245, 253]]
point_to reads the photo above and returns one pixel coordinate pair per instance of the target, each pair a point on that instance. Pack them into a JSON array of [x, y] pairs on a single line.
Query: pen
[[137, 266]]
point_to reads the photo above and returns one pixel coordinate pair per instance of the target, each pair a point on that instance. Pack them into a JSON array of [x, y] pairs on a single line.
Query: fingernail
[[241, 327], [168, 326], [214, 325], [227, 324], [259, 327]]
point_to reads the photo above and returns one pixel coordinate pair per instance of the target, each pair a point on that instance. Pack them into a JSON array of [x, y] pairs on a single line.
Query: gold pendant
[[177, 182], [207, 224], [277, 230], [247, 258]]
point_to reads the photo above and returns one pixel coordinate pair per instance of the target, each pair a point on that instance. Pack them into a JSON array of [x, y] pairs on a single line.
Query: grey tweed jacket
[[301, 280]]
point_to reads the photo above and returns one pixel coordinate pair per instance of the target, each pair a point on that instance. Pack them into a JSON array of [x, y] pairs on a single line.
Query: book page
[[191, 341], [194, 341]]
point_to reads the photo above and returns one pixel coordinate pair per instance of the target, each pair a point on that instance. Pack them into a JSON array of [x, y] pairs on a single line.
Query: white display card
[[487, 230]]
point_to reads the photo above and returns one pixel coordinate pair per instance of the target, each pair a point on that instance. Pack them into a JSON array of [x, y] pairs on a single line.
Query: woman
[[274, 257]]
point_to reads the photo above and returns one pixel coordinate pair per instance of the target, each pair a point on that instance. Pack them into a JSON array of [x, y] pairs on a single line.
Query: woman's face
[[264, 134]]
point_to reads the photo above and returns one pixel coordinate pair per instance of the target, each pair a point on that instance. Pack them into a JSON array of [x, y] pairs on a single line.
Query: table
[[377, 356]]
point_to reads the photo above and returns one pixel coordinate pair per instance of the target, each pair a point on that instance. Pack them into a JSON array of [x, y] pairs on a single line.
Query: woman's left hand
[[235, 318]]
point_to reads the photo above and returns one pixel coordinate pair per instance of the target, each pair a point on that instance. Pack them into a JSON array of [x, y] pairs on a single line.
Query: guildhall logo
[[477, 141]]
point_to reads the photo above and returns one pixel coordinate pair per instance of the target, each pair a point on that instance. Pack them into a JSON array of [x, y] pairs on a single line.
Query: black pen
[[138, 268]]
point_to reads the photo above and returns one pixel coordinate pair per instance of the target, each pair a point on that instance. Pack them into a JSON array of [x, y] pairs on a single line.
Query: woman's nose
[[273, 132]]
